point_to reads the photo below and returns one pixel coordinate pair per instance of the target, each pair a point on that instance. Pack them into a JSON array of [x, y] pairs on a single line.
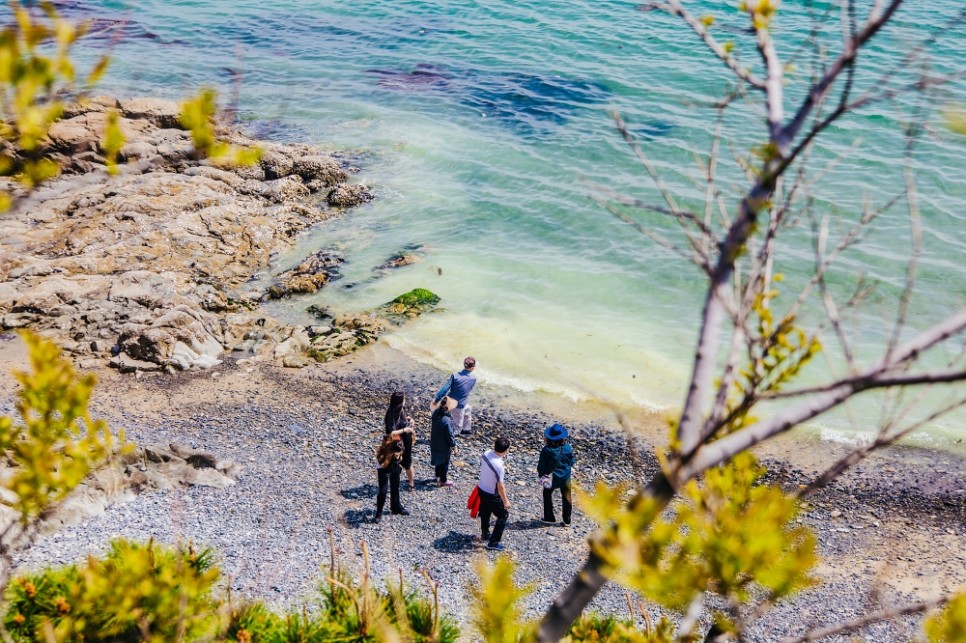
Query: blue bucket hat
[[555, 432]]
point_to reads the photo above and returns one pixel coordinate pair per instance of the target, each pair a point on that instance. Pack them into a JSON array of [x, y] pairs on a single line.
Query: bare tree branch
[[869, 619], [915, 228], [743, 75], [877, 18], [682, 216], [646, 162], [694, 258], [774, 75], [885, 438], [831, 311], [880, 381], [710, 455]]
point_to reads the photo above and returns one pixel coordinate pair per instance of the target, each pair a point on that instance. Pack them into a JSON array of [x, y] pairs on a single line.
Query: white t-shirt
[[489, 478]]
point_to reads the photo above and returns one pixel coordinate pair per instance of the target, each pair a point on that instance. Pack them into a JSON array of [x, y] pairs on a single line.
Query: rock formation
[[150, 266]]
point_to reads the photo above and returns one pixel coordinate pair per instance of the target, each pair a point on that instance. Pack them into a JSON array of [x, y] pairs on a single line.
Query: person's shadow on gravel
[[523, 525], [454, 542], [361, 492], [355, 518]]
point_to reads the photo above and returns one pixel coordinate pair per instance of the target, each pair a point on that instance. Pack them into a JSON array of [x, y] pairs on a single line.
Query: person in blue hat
[[554, 468]]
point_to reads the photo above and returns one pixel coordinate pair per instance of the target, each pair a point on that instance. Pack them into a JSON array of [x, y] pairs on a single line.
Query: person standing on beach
[[458, 386], [396, 419], [442, 439], [556, 464], [493, 499], [388, 455]]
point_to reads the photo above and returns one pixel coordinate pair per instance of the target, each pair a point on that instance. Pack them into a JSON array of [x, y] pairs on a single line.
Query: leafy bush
[[610, 629], [54, 443], [138, 592]]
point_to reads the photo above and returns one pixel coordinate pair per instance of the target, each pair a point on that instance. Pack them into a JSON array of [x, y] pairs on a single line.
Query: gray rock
[[162, 113], [320, 168], [127, 364], [347, 196]]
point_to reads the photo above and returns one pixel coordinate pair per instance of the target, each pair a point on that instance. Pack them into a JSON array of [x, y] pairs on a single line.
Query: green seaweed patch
[[417, 297], [411, 304]]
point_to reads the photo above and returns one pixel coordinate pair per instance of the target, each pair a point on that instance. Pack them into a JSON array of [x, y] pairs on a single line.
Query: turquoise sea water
[[486, 133]]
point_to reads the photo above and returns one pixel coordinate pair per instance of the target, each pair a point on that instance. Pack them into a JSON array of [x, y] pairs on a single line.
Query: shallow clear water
[[486, 130]]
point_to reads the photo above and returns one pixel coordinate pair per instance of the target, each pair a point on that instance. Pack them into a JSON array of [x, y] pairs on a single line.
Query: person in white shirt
[[493, 498]]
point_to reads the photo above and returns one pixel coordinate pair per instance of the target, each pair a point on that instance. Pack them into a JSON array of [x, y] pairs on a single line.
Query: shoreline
[[890, 533], [891, 530]]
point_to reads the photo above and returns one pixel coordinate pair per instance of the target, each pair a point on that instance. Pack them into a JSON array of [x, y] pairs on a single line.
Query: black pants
[[442, 470], [564, 486], [492, 504], [388, 481]]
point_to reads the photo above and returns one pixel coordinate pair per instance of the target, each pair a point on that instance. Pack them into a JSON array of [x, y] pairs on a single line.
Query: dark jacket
[[400, 421], [441, 440], [556, 460]]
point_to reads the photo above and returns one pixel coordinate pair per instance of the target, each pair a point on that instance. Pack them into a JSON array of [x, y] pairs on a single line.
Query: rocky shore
[[151, 268], [150, 272]]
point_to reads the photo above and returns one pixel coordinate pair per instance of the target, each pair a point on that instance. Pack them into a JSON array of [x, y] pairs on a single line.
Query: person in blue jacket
[[556, 462], [458, 386]]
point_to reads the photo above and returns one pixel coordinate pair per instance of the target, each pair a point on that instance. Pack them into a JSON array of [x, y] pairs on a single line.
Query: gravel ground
[[305, 439]]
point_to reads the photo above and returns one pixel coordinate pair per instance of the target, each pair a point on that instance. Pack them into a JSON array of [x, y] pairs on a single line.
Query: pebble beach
[[892, 531]]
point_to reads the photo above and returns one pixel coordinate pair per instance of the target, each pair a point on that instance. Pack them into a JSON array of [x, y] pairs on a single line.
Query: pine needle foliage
[[137, 592], [592, 627]]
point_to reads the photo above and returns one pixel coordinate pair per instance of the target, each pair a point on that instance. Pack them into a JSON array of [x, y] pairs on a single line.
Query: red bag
[[473, 504]]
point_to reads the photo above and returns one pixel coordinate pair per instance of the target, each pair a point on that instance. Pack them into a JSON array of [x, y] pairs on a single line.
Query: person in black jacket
[[397, 419], [555, 465], [442, 440], [388, 455]]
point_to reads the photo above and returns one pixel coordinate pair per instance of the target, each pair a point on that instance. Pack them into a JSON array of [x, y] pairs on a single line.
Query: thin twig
[[869, 619]]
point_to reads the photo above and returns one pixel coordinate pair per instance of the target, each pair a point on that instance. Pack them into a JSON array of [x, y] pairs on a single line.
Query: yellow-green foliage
[[31, 85], [36, 73], [54, 443], [113, 140], [949, 624], [496, 614], [146, 592], [197, 115], [728, 534], [780, 353], [139, 592], [609, 629], [496, 603]]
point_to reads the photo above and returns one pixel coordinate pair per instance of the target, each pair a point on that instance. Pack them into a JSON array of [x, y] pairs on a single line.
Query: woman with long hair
[[396, 420], [388, 455]]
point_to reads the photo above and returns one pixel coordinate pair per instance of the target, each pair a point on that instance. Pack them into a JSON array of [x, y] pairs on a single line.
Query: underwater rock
[[306, 278], [528, 103], [423, 76], [405, 257]]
